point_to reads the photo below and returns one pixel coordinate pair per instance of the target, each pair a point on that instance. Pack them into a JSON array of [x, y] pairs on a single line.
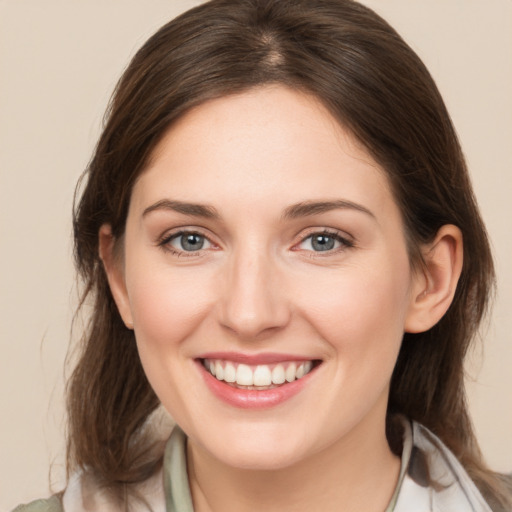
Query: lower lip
[[252, 398]]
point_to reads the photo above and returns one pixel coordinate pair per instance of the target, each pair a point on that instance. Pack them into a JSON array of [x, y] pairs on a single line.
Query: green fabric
[[177, 491], [52, 504]]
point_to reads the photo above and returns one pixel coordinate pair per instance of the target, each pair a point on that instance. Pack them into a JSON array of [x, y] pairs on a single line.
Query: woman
[[284, 250]]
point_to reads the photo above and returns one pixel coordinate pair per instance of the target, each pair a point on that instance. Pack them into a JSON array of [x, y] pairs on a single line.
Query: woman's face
[[261, 242]]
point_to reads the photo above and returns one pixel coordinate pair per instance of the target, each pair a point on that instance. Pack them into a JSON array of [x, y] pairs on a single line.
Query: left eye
[[321, 242], [189, 242]]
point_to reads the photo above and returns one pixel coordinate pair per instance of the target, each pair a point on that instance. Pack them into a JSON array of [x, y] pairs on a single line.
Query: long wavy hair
[[377, 87]]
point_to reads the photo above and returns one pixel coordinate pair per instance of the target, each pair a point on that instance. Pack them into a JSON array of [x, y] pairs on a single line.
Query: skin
[[258, 285]]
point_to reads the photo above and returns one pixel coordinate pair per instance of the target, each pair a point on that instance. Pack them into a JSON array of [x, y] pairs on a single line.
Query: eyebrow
[[295, 211], [308, 208], [195, 210]]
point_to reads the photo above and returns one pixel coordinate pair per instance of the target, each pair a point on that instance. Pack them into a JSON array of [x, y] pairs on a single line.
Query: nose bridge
[[253, 301]]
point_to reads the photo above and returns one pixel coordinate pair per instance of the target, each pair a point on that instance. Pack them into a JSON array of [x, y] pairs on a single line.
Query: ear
[[434, 287], [115, 273]]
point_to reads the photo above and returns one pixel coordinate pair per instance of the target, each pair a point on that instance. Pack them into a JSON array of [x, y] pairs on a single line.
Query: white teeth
[[278, 376], [262, 376], [229, 372], [219, 370], [244, 375], [290, 373]]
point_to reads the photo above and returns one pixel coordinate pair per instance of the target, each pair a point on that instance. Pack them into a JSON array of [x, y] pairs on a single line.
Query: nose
[[253, 302]]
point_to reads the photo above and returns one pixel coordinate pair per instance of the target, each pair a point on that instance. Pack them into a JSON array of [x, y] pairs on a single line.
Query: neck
[[358, 473]]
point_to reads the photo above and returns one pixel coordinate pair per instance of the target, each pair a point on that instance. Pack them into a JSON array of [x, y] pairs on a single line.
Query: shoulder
[[52, 504]]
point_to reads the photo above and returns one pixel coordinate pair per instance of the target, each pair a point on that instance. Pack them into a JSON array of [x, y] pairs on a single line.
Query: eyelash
[[166, 239], [165, 243], [344, 242]]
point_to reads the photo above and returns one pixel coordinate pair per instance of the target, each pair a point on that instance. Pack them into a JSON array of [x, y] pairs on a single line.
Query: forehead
[[271, 144]]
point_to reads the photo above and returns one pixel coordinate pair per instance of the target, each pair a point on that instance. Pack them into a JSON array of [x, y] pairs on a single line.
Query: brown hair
[[375, 85]]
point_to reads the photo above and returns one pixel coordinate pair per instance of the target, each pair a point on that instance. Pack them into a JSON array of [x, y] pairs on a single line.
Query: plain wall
[[59, 61]]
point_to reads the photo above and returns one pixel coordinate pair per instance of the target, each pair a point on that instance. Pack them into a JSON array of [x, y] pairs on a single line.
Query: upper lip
[[255, 359]]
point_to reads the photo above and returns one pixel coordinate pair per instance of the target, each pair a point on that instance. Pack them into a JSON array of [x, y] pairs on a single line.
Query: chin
[[258, 460], [258, 451]]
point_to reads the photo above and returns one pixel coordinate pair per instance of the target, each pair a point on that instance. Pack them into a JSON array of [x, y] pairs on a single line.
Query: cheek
[[360, 311], [166, 304]]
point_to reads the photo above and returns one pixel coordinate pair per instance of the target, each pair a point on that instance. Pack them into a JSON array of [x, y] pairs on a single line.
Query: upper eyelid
[[343, 235], [174, 232]]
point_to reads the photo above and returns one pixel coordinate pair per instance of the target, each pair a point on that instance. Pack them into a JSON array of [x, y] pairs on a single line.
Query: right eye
[[186, 242]]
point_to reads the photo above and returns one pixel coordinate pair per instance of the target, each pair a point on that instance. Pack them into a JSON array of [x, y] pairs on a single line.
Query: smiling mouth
[[258, 377]]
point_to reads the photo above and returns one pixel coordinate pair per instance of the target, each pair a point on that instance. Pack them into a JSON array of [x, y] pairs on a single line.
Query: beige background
[[59, 61]]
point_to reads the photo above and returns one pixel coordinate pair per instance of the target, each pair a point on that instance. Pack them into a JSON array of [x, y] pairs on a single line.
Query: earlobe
[[434, 288], [115, 274]]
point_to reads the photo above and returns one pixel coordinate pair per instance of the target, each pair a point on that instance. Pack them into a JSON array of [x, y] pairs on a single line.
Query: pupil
[[323, 243], [192, 242]]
